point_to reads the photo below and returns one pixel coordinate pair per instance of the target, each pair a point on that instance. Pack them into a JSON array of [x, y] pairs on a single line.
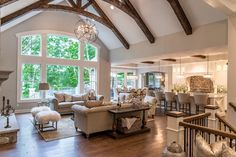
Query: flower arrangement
[[221, 89], [180, 87]]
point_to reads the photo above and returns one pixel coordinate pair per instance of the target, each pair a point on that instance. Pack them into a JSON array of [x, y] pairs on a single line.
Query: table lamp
[[43, 87]]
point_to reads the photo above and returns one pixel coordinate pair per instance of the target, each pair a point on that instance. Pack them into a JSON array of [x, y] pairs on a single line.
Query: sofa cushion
[[82, 103], [60, 97], [81, 97], [93, 103], [65, 104], [68, 98]]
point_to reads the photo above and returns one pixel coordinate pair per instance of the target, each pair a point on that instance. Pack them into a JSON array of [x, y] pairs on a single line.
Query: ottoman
[[47, 119], [36, 110]]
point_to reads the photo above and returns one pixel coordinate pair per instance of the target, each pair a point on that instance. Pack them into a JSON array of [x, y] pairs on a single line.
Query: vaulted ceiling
[[158, 18]]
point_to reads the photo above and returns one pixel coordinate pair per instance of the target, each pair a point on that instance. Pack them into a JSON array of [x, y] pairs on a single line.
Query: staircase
[[4, 75]]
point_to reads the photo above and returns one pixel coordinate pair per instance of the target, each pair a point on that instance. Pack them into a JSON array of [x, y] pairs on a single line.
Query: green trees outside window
[[31, 77], [31, 45], [89, 79], [120, 79], [62, 47], [62, 78], [90, 53]]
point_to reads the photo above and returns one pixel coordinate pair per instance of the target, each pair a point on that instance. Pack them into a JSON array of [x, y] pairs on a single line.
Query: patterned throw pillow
[[60, 97], [68, 98], [203, 149], [227, 151]]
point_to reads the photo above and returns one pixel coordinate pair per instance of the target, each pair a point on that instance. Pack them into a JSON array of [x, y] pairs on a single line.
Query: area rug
[[65, 129]]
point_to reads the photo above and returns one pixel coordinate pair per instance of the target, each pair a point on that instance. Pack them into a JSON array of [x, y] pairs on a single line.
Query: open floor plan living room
[[117, 78]]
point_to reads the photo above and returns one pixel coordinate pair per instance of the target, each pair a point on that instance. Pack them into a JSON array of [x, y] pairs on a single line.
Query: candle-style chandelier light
[[86, 31]]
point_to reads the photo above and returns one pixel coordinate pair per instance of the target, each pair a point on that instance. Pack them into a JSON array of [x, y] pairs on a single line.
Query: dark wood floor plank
[[30, 144]]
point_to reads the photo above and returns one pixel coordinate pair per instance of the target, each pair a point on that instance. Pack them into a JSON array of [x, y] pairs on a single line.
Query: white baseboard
[[22, 111]]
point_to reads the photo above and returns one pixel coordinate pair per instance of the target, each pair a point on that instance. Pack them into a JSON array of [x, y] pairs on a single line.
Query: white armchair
[[152, 102]]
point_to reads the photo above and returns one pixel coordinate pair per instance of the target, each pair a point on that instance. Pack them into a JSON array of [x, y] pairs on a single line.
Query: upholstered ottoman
[[45, 118], [36, 110]]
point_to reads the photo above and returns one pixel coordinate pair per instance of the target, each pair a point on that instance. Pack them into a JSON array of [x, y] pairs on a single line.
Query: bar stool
[[184, 103], [160, 98], [200, 100], [170, 99]]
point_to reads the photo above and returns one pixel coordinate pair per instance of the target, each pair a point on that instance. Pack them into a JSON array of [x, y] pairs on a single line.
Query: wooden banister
[[225, 123], [232, 105], [197, 117], [208, 130]]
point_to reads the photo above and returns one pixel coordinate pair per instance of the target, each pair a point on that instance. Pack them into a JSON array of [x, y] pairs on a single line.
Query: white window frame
[[43, 60]]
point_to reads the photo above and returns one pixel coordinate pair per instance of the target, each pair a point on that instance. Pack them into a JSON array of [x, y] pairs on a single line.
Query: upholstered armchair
[[152, 102]]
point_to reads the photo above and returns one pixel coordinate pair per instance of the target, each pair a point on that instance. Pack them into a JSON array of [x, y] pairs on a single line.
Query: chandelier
[[86, 31]]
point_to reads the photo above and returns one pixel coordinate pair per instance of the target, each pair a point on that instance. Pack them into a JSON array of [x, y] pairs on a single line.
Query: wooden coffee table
[[117, 113]]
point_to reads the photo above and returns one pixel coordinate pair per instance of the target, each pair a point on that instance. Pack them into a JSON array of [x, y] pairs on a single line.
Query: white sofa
[[96, 119]]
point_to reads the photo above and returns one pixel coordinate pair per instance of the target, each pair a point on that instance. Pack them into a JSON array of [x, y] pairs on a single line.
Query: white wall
[[232, 68], [58, 21], [212, 35]]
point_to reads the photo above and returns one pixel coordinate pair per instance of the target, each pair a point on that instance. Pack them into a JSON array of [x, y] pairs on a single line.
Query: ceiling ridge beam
[[129, 9], [23, 11], [79, 3], [87, 5], [6, 2], [112, 26], [179, 12]]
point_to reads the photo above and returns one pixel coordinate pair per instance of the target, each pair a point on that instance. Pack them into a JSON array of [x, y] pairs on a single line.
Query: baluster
[[230, 143], [185, 139], [190, 143]]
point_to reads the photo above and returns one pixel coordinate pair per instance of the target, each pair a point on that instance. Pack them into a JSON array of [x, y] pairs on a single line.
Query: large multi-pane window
[[31, 77], [55, 59], [63, 79], [90, 80]]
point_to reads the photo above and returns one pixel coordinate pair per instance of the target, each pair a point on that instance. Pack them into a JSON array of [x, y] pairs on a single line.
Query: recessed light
[[112, 7]]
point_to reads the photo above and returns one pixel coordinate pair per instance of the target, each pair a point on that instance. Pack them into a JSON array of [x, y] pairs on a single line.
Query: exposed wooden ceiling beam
[[23, 11], [6, 2], [72, 3], [179, 12], [169, 60], [112, 26], [127, 7], [199, 56], [43, 5]]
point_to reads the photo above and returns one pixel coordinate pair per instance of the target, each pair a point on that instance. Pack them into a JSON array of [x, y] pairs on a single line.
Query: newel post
[[212, 120], [174, 131]]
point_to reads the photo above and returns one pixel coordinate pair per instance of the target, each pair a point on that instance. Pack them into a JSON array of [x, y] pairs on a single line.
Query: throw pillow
[[212, 150], [60, 97], [92, 96], [92, 103], [68, 98], [77, 98], [203, 149], [227, 151]]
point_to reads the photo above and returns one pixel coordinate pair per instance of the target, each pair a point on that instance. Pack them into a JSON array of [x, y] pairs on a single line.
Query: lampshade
[[43, 86]]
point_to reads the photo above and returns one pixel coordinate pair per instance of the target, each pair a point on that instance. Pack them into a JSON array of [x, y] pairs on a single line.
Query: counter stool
[[160, 98], [200, 100], [170, 100], [184, 103]]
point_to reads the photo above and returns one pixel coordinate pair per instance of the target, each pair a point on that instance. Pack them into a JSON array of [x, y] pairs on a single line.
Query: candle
[[3, 101]]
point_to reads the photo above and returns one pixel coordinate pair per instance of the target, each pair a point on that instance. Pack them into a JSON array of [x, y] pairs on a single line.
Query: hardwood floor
[[30, 144]]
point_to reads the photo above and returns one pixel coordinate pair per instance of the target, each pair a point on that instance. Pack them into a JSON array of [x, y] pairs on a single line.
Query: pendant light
[[159, 76], [207, 75], [180, 76]]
